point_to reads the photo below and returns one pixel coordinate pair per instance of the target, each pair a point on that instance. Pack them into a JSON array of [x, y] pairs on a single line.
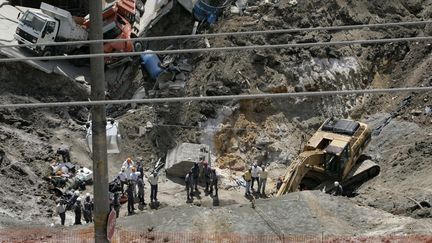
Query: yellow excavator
[[333, 153]]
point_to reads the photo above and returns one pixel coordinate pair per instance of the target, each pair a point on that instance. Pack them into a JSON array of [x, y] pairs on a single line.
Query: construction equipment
[[333, 153], [54, 25], [112, 133], [51, 25]]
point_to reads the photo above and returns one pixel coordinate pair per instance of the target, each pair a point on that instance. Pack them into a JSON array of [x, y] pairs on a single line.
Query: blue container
[[151, 63], [202, 11]]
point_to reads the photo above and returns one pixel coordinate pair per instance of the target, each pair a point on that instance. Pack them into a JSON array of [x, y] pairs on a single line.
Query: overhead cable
[[217, 98], [234, 48], [242, 33]]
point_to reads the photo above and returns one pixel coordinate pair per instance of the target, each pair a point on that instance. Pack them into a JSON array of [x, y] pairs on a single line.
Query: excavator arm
[[307, 161]]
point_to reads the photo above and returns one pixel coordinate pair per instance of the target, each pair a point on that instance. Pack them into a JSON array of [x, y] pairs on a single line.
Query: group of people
[[208, 174], [255, 174], [132, 175], [80, 209]]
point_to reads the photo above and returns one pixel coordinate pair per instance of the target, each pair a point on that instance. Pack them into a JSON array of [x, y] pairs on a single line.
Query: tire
[[140, 6], [47, 52], [138, 46]]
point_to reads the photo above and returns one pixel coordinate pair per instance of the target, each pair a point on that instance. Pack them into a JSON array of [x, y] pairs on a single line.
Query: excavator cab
[[335, 163]]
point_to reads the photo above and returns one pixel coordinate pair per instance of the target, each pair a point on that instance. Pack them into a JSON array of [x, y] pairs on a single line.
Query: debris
[[416, 112], [235, 10], [149, 125], [140, 93], [185, 67], [292, 2], [181, 76], [207, 43], [412, 199], [195, 27], [241, 5]]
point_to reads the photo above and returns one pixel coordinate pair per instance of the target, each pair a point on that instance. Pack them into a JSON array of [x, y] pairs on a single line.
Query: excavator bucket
[[113, 137]]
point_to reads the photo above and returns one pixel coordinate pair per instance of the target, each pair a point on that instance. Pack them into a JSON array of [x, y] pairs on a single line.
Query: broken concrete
[[181, 159]]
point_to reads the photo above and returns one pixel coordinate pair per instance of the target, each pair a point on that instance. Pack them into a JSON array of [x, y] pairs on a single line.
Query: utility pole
[[100, 163]]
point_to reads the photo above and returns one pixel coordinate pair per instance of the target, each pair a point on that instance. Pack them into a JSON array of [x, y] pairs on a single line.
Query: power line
[[211, 127], [235, 48], [216, 98], [213, 35]]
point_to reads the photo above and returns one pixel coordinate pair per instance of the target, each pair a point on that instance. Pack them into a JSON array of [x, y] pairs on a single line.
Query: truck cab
[[36, 28]]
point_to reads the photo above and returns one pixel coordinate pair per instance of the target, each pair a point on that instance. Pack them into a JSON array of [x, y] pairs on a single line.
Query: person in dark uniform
[[88, 209], [188, 183], [78, 211], [116, 203], [130, 195], [213, 182], [64, 152], [195, 174]]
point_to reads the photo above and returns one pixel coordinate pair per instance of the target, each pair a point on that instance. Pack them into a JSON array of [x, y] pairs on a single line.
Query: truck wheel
[[140, 7], [138, 46], [47, 52]]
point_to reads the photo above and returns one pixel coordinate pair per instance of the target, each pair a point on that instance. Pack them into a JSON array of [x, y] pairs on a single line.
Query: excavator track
[[361, 172]]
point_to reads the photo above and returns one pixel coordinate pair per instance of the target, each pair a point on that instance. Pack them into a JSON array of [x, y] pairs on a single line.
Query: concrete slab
[[8, 24], [181, 159]]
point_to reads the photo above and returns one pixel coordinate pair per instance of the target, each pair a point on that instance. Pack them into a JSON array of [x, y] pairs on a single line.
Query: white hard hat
[[87, 194], [77, 193], [79, 199], [336, 183]]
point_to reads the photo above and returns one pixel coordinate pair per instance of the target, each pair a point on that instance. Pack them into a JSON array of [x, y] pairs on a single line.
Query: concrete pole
[[100, 164]]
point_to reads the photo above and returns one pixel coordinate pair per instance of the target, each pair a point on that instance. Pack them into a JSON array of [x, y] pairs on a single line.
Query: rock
[[299, 88], [416, 112]]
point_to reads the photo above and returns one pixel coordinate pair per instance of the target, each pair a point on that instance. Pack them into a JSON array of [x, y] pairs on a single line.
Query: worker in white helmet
[[88, 209], [338, 191], [78, 210]]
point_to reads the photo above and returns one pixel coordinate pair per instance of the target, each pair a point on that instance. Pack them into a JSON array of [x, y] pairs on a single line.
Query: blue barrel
[[203, 11], [151, 63]]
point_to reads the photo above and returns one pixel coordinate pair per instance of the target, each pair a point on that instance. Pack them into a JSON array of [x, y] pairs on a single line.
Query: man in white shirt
[[153, 180], [262, 181], [133, 180], [128, 164], [123, 178], [256, 170]]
